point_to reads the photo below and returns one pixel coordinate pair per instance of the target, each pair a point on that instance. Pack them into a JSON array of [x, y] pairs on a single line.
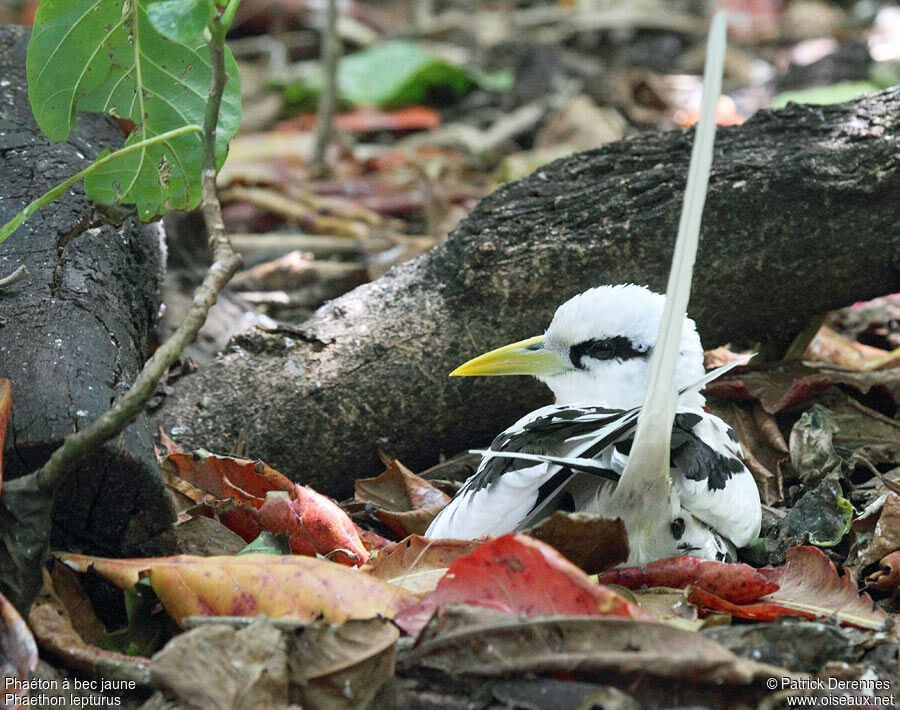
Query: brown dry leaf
[[759, 454], [341, 667], [454, 641], [61, 643], [18, 650], [398, 489], [591, 542], [217, 666], [282, 587], [883, 536], [406, 502], [417, 563], [76, 603], [888, 577]]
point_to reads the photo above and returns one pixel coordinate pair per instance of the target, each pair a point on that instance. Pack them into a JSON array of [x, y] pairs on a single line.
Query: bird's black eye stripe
[[618, 347]]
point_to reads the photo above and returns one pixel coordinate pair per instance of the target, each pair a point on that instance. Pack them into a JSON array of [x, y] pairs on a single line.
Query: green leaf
[[106, 56], [181, 20], [147, 628], [397, 73], [268, 543], [834, 94]]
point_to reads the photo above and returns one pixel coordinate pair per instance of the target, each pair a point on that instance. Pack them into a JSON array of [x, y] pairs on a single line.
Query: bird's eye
[[597, 349], [601, 350]]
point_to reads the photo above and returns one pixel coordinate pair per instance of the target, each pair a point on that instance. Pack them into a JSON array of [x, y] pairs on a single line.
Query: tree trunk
[[802, 216], [76, 330]]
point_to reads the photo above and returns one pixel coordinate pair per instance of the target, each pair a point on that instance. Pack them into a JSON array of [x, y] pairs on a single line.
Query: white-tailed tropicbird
[[628, 436]]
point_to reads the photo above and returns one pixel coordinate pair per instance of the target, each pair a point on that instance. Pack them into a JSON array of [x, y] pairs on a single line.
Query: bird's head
[[597, 349]]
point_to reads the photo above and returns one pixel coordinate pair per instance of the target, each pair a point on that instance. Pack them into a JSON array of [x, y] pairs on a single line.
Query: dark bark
[[75, 333], [802, 216]]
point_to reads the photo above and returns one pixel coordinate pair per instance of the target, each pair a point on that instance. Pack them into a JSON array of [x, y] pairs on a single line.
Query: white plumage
[[628, 436], [601, 342]]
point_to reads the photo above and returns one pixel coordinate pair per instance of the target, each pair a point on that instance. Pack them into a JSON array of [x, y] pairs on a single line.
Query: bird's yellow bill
[[526, 357]]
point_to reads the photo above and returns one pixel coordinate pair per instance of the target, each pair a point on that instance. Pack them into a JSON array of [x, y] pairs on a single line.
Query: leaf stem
[[56, 192], [228, 14]]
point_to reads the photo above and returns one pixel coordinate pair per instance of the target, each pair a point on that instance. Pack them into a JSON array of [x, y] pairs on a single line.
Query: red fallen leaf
[[761, 611], [18, 650], [240, 519], [735, 582], [778, 388], [367, 120], [314, 525], [809, 586], [517, 574], [225, 476], [888, 577], [810, 582], [5, 409]]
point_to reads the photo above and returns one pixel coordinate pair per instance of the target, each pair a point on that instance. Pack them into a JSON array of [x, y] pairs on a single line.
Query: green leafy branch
[[54, 193], [139, 60]]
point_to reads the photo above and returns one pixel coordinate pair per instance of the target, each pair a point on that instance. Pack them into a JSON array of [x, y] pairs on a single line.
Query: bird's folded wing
[[514, 478]]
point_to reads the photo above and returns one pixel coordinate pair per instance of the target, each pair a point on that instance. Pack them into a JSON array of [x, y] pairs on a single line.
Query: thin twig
[[225, 263], [16, 275], [331, 52]]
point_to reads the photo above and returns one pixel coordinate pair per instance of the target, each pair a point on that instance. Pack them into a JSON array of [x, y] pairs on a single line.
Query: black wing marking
[[547, 435], [544, 436], [696, 459]]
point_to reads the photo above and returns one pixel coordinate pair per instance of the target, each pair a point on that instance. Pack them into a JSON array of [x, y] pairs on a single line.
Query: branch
[[331, 51], [25, 506]]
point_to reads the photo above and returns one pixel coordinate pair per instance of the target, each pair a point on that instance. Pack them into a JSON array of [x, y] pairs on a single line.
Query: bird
[[628, 435], [595, 358]]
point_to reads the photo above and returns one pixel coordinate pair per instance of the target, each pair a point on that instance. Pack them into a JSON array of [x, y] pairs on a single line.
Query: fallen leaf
[[268, 500], [830, 346], [314, 525], [809, 585], [888, 577], [290, 587], [398, 489], [77, 605], [515, 573], [812, 452], [878, 533], [18, 650], [341, 666], [61, 643], [240, 519], [591, 542], [761, 451], [5, 409], [735, 581], [486, 642], [217, 666], [779, 387], [552, 694], [405, 502], [225, 476], [418, 563], [410, 522]]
